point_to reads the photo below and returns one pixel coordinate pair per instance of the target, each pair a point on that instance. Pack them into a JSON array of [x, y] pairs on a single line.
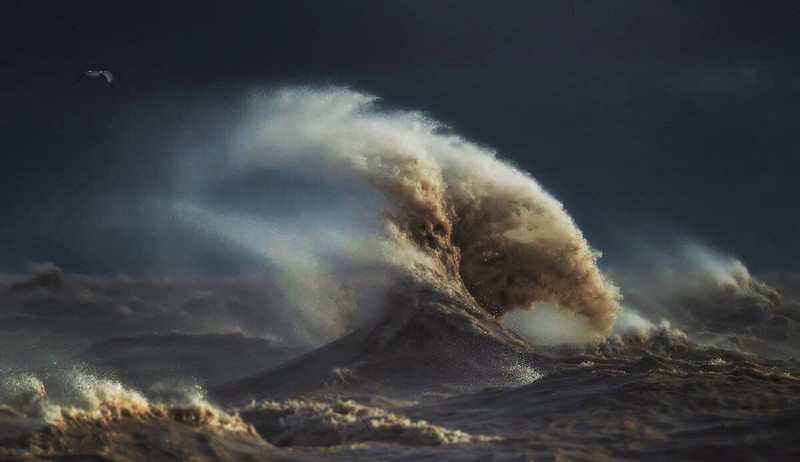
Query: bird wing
[[79, 78], [109, 77]]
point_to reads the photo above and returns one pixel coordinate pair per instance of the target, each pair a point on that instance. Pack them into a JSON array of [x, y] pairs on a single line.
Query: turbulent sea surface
[[464, 318]]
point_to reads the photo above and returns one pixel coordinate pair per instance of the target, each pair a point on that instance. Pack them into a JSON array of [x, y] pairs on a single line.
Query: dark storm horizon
[[649, 121]]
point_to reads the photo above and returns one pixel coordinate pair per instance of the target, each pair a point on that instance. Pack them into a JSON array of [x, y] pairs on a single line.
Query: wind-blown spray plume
[[459, 218]]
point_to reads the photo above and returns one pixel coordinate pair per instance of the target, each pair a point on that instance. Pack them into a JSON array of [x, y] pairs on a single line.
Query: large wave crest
[[458, 217]]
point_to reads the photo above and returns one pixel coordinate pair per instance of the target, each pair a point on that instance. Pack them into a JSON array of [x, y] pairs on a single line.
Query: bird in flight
[[107, 74]]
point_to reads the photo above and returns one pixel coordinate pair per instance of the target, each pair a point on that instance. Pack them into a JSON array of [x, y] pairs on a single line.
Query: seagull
[[107, 74]]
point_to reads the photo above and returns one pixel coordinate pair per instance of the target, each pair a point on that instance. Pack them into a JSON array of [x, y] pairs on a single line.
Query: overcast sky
[[644, 118]]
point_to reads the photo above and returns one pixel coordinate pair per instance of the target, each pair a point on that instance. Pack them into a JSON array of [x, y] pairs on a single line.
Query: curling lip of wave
[[467, 222]]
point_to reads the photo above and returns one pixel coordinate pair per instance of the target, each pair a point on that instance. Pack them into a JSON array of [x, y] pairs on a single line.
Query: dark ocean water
[[433, 379]]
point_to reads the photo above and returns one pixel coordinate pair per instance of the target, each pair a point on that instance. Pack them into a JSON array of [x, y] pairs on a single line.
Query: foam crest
[[303, 422], [82, 399]]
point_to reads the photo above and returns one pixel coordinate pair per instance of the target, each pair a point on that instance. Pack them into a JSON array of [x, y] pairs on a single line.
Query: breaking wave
[[463, 239], [457, 218], [79, 399], [303, 422], [82, 405]]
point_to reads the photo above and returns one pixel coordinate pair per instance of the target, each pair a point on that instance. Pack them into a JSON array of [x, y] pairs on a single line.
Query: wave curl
[[459, 217]]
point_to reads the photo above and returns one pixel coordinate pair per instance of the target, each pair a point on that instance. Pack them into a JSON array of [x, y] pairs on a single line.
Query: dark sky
[[662, 118]]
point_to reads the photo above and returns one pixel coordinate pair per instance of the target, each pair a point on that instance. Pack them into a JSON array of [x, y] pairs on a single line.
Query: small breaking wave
[[304, 422], [80, 399]]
